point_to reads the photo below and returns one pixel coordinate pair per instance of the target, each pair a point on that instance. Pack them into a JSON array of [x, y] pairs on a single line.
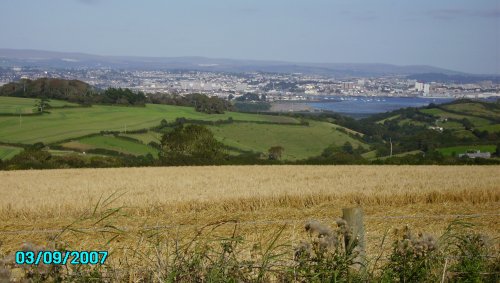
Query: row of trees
[[36, 157], [121, 96], [79, 92], [72, 91], [69, 90], [200, 102]]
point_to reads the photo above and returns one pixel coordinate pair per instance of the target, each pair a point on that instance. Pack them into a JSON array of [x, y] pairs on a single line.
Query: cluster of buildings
[[275, 87], [475, 154]]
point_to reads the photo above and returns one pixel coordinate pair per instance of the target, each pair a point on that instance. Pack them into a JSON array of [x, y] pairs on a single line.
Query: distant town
[[270, 86]]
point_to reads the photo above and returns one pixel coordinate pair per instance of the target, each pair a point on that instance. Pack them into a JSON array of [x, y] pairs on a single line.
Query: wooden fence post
[[354, 219]]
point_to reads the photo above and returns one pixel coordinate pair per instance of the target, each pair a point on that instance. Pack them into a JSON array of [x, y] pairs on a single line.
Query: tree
[[163, 124], [497, 151], [191, 144], [248, 97], [347, 148], [123, 97], [42, 104], [275, 152], [467, 124]]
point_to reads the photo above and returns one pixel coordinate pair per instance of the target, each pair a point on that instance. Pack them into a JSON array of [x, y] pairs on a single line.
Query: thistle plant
[[414, 258], [326, 256]]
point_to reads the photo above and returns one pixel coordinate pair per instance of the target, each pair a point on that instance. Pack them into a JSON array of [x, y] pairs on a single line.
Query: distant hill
[[14, 57], [454, 78]]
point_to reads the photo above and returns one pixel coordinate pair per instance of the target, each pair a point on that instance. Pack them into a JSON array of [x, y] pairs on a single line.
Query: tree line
[[82, 93]]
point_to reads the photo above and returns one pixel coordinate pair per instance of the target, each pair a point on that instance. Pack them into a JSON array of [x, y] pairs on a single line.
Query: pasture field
[[370, 154], [350, 131], [451, 125], [69, 124], [388, 119], [403, 154], [62, 124], [116, 209], [463, 149], [111, 143], [474, 109], [18, 105], [490, 128], [469, 109], [464, 134], [145, 138], [411, 122], [7, 152], [477, 121], [57, 152], [299, 141]]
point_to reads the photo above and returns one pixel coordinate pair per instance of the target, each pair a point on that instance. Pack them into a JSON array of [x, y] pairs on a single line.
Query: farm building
[[476, 154]]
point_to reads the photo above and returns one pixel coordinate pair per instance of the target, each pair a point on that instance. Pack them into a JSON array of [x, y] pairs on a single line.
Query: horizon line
[[253, 60]]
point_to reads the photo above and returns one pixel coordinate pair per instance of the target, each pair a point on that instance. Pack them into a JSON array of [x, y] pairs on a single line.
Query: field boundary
[[263, 222]]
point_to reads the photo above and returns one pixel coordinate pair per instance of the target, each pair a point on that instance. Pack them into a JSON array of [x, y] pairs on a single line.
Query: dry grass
[[52, 199]]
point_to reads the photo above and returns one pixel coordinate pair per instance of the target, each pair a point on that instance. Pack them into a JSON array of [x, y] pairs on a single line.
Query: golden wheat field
[[112, 208]]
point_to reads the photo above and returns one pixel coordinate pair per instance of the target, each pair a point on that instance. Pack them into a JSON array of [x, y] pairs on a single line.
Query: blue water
[[373, 105]]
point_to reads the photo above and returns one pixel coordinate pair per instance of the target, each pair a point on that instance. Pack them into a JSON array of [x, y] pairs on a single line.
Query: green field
[[111, 143], [67, 126], [407, 121], [474, 109], [413, 152], [7, 152], [370, 155], [298, 141], [464, 134], [490, 128], [16, 105], [471, 108], [463, 149], [352, 132], [478, 122], [388, 119], [67, 123], [145, 138], [57, 152], [451, 125]]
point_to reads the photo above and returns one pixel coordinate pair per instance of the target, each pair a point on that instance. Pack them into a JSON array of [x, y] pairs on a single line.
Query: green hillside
[[483, 116], [105, 130], [298, 141], [17, 105], [475, 109], [145, 138], [67, 123], [111, 143], [249, 132], [7, 152], [440, 113], [479, 116]]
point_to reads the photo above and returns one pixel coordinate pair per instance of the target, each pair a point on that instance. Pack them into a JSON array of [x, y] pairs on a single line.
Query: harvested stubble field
[[261, 198]]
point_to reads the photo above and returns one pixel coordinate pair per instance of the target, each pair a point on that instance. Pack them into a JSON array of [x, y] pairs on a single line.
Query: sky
[[461, 35]]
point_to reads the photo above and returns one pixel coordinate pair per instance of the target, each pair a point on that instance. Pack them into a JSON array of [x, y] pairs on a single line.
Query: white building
[[427, 89], [419, 86]]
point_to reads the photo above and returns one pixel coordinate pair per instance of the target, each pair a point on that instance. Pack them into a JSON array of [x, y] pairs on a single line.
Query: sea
[[365, 106]]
